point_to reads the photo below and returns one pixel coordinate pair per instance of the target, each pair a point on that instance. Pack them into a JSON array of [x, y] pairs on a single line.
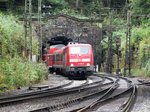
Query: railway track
[[124, 107], [90, 95], [102, 88], [30, 95], [62, 89], [144, 82]]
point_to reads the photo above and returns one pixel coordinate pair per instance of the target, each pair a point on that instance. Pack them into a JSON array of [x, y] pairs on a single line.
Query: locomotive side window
[[65, 57], [79, 50], [58, 57], [61, 57], [55, 57]]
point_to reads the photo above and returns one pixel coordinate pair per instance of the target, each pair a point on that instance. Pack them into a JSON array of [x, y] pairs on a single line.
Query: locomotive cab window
[[79, 50], [84, 50]]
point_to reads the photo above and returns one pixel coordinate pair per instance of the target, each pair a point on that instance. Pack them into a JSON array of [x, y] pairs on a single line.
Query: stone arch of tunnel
[[79, 30], [71, 28]]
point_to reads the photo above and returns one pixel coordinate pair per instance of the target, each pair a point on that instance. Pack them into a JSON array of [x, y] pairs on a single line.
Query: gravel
[[141, 104], [53, 80]]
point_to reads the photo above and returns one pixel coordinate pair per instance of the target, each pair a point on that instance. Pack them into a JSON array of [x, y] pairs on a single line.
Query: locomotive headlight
[[88, 64], [71, 65]]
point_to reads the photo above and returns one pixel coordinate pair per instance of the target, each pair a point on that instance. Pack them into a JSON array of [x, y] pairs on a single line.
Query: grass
[[17, 73], [143, 71]]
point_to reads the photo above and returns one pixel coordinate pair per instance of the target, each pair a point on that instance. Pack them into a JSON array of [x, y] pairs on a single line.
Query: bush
[[15, 72], [140, 46], [138, 72], [147, 68], [12, 37]]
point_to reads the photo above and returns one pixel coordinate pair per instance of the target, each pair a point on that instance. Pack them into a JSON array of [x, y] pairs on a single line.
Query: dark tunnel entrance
[[54, 41]]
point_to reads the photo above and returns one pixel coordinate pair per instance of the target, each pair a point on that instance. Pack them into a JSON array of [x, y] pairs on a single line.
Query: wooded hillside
[[93, 9]]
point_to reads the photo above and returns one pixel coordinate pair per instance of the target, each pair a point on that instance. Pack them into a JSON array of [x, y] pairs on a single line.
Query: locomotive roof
[[62, 47], [59, 46], [78, 44]]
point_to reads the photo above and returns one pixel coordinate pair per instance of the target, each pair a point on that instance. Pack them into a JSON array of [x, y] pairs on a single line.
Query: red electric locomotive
[[72, 60]]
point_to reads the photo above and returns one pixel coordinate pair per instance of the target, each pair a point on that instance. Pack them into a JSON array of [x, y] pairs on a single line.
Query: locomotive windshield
[[79, 50]]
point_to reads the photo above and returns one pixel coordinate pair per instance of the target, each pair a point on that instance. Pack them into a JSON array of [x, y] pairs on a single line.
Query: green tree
[[140, 6]]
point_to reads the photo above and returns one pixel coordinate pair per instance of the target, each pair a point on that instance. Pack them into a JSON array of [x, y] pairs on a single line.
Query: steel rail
[[77, 100], [57, 87], [113, 87], [27, 95], [129, 103], [144, 82], [71, 102], [47, 92], [101, 100], [74, 101]]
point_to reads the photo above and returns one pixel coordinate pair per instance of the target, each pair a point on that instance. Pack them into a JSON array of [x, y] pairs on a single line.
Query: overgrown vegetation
[[16, 70], [12, 36], [140, 48], [140, 32]]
